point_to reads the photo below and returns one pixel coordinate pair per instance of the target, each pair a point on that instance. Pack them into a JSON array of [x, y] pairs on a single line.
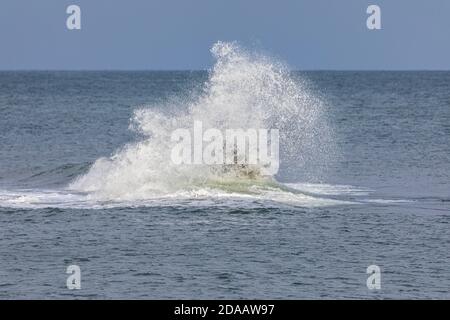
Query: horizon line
[[206, 70]]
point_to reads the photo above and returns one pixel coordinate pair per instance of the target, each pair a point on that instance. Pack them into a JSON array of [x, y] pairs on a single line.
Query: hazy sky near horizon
[[177, 34]]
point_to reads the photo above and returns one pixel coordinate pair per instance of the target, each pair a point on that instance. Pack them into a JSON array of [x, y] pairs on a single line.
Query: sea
[[86, 179]]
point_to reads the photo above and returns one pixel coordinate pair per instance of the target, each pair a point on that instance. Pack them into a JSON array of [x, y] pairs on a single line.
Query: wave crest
[[244, 90]]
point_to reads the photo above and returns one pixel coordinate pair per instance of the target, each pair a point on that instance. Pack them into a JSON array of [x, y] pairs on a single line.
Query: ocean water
[[85, 179]]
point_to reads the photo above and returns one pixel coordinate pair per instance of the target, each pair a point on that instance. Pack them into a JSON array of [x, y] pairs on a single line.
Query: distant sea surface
[[380, 195]]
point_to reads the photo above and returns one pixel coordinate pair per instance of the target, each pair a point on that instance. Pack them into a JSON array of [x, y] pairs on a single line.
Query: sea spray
[[244, 90]]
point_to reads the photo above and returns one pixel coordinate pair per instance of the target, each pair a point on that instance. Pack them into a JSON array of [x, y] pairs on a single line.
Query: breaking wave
[[244, 90]]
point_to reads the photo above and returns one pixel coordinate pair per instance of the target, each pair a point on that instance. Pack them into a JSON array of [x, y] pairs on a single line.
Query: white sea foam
[[388, 201], [202, 197], [328, 189], [243, 90]]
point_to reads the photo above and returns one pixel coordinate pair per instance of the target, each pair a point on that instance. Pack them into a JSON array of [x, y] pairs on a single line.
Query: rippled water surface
[[380, 195]]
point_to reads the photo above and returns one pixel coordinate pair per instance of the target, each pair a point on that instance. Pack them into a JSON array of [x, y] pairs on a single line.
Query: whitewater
[[86, 179], [244, 89]]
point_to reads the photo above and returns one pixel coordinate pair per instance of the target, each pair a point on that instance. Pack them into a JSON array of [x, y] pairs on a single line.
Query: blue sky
[[177, 34]]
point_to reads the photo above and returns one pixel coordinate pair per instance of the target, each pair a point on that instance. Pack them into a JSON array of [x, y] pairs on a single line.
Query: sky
[[177, 34]]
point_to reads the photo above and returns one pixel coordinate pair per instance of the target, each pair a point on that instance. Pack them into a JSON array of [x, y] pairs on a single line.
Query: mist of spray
[[244, 90]]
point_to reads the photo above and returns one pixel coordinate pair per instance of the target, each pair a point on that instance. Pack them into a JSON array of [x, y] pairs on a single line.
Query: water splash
[[244, 90]]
